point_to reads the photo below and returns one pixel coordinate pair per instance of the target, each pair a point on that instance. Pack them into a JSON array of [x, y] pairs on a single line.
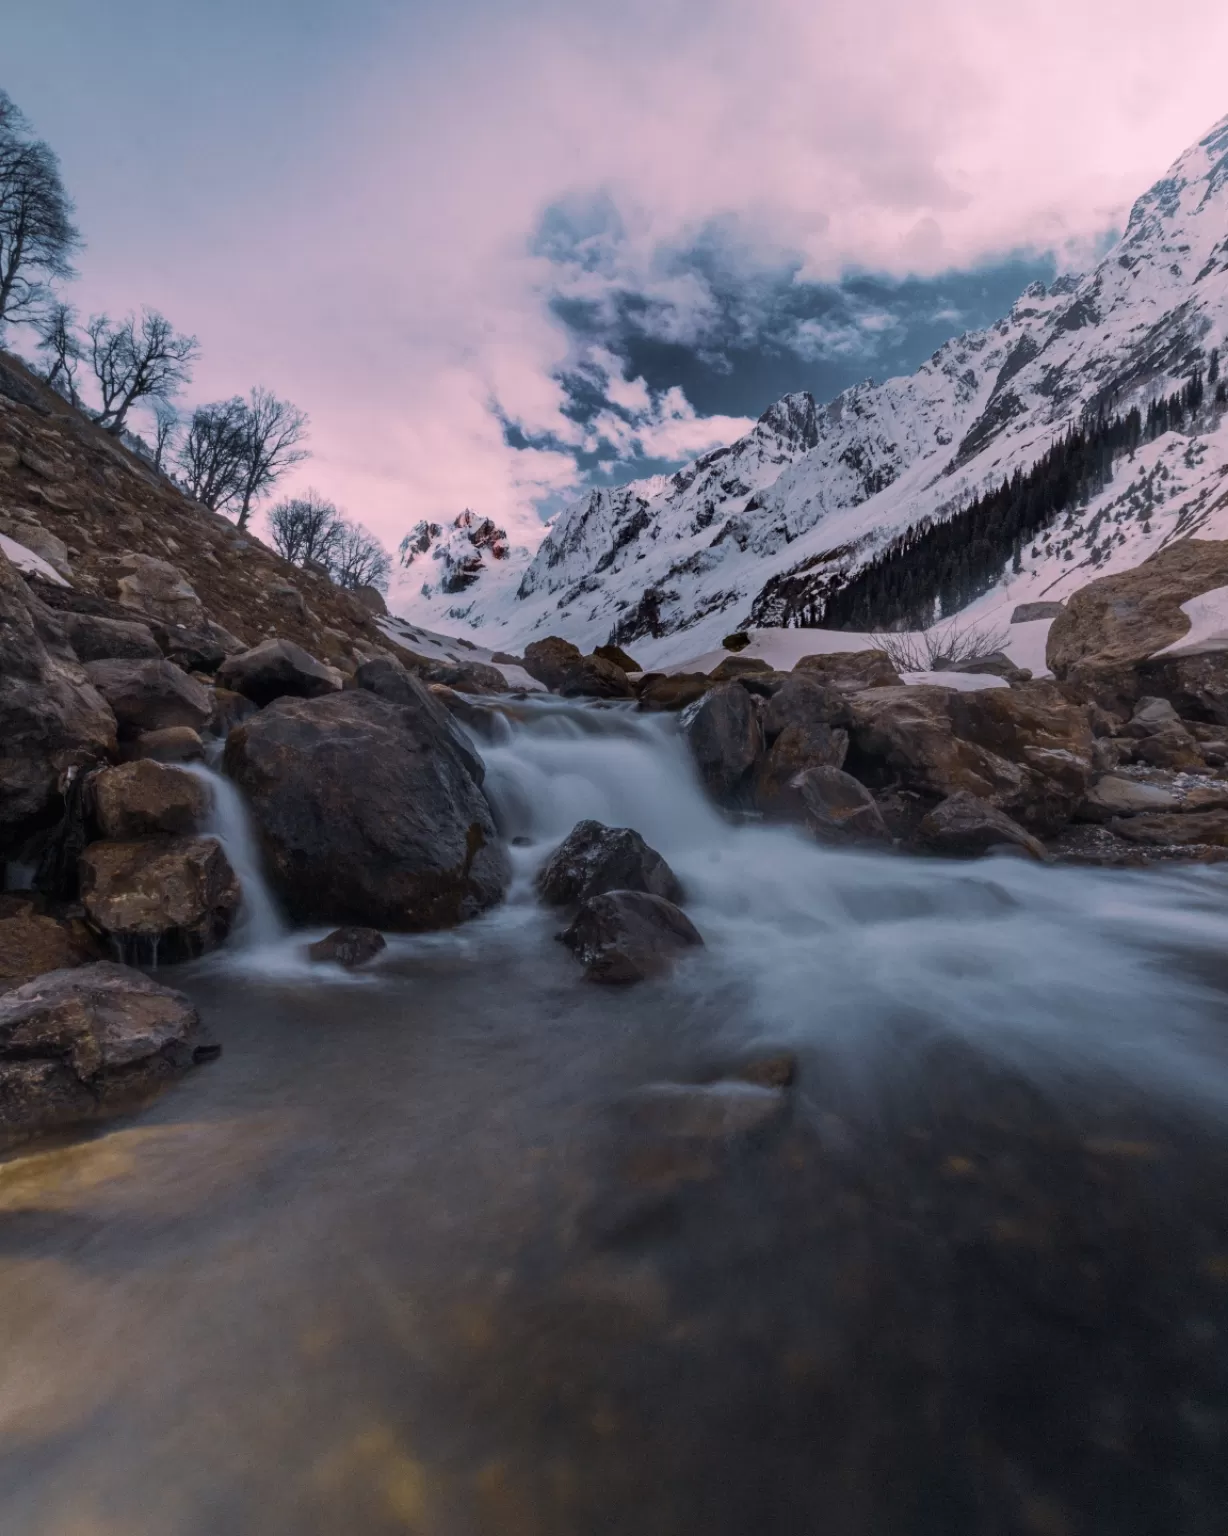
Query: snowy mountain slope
[[676, 562]]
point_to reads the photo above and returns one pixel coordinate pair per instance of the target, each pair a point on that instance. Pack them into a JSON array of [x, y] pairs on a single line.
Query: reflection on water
[[400, 1262]]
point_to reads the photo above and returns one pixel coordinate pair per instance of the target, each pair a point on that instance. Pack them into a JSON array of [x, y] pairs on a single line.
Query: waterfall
[[260, 924]]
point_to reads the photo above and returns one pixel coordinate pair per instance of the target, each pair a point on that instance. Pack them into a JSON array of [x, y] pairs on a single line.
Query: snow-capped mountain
[[815, 492]]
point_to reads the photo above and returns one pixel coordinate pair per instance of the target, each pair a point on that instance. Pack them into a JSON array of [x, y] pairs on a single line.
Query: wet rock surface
[[83, 1043], [723, 732], [149, 799], [622, 937], [160, 901], [839, 810], [964, 826], [594, 859], [348, 947], [367, 812], [662, 693]]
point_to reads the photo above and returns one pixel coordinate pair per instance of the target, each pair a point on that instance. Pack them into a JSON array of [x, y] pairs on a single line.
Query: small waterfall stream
[[261, 924]]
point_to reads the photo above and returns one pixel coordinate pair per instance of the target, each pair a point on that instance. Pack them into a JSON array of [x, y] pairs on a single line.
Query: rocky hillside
[[763, 530]]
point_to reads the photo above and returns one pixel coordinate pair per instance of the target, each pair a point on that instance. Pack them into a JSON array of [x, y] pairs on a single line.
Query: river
[[401, 1261]]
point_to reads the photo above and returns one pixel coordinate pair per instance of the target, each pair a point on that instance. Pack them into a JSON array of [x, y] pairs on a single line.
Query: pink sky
[[368, 257]]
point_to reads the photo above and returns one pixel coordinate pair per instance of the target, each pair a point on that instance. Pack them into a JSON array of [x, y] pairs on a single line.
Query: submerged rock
[[593, 859], [348, 947], [626, 936], [78, 1044], [160, 901], [705, 1111], [368, 812]]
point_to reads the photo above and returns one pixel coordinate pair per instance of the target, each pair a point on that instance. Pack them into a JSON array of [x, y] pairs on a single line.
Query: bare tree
[[358, 559], [305, 529], [37, 234], [166, 430], [59, 342], [940, 648], [132, 362], [212, 455], [274, 430]]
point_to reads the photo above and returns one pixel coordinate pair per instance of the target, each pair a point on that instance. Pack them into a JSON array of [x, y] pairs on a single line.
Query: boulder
[[1110, 625], [839, 810], [52, 718], [79, 1044], [627, 936], [175, 744], [1111, 796], [160, 901], [737, 666], [276, 669], [993, 664], [1174, 829], [372, 599], [723, 732], [802, 700], [367, 812], [202, 649], [158, 588], [387, 679], [618, 656], [150, 695], [466, 676], [1151, 715], [148, 799], [966, 826], [593, 859], [97, 639], [1195, 682], [559, 666], [776, 791], [1028, 613], [852, 671], [1026, 750], [31, 943], [348, 947], [1174, 748], [662, 693], [229, 708]]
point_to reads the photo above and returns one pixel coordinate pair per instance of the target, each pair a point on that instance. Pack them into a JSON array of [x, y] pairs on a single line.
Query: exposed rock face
[[32, 943], [965, 826], [726, 739], [148, 799], [150, 695], [593, 859], [1026, 750], [52, 718], [276, 669], [163, 901], [851, 671], [389, 680], [78, 1044], [626, 936], [1112, 624], [559, 666], [348, 947], [159, 588], [367, 812], [839, 809], [1027, 613], [661, 693], [98, 639], [1195, 683], [802, 700]]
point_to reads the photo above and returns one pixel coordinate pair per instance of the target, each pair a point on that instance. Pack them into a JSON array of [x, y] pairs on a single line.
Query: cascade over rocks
[[160, 901], [80, 1044], [839, 810], [1026, 750], [276, 669], [626, 936], [559, 666], [966, 826], [725, 738], [52, 718], [367, 812], [149, 799], [150, 695], [593, 859]]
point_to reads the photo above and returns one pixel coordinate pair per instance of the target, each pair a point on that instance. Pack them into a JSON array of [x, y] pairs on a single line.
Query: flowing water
[[403, 1260]]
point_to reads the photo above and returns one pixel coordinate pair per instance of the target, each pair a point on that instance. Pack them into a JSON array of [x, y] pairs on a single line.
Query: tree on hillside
[[358, 559], [305, 529], [60, 344], [166, 429], [37, 234], [273, 432], [210, 458], [134, 362]]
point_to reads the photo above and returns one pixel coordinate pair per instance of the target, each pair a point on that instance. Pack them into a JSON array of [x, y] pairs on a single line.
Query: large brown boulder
[[851, 671], [1194, 682], [839, 810], [593, 859], [149, 799], [559, 666], [98, 639], [79, 1044], [32, 942], [964, 826], [160, 901], [1026, 750], [466, 676], [1112, 624], [150, 695], [662, 693], [276, 669], [387, 679], [367, 812], [52, 718], [725, 738], [160, 589], [626, 936], [776, 791]]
